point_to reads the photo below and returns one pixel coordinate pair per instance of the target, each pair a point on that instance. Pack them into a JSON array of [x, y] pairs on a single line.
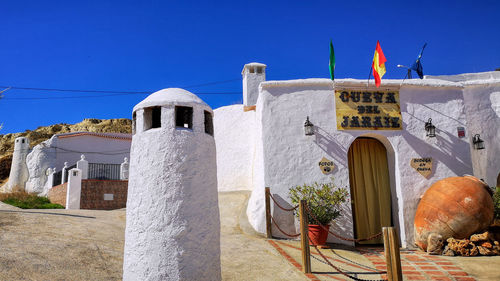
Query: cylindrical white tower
[[173, 225], [18, 169]]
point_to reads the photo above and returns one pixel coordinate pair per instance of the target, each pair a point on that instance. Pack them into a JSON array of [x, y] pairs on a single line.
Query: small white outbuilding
[[19, 171], [173, 225]]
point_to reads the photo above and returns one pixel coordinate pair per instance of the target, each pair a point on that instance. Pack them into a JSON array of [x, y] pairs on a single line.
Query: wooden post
[[387, 252], [397, 275], [304, 239], [392, 256], [269, 232]]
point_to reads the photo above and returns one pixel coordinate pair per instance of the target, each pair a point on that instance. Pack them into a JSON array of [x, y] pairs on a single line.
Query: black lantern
[[308, 127], [478, 142], [430, 129]]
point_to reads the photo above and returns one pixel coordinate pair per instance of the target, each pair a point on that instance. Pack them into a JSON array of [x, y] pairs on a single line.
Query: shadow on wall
[[286, 219], [456, 162], [330, 145], [429, 98], [343, 225], [450, 150]]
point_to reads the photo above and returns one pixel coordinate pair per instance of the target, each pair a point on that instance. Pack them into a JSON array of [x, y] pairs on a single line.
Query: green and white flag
[[332, 61]]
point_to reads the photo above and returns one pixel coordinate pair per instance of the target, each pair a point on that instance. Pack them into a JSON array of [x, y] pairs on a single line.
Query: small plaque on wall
[[108, 197], [326, 166], [422, 165]]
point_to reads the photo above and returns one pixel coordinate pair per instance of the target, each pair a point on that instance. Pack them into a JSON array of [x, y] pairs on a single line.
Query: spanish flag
[[378, 64]]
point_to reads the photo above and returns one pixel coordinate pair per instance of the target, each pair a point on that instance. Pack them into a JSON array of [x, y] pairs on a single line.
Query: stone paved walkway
[[369, 264]]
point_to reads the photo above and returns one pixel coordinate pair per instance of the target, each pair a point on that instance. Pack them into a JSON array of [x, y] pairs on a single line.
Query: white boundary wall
[[234, 133]]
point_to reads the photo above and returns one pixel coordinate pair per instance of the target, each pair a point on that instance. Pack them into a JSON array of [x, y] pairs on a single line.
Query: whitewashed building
[[31, 168], [367, 133]]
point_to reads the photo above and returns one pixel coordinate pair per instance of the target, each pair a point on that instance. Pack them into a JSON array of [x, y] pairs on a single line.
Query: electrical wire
[[102, 96], [113, 91], [64, 150]]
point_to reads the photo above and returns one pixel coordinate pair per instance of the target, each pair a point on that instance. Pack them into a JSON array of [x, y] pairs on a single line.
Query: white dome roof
[[169, 96]]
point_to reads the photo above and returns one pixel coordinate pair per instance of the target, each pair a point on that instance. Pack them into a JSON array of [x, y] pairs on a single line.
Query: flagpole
[[369, 74], [371, 69]]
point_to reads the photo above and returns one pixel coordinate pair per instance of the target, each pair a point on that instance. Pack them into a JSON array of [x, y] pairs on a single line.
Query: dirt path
[[88, 245]]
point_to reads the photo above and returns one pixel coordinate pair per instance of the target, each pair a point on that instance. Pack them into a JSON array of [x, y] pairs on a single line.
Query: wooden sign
[[326, 166], [368, 110], [422, 165]]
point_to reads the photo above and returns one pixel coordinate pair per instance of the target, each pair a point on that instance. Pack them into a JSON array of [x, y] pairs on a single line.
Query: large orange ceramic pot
[[453, 207]]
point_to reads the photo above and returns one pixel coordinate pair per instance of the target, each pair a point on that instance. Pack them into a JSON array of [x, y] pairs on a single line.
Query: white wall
[[235, 141], [96, 150], [61, 148], [482, 103], [481, 96], [290, 158]]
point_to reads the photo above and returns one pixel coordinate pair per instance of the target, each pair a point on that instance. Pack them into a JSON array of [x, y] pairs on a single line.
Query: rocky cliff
[[43, 133]]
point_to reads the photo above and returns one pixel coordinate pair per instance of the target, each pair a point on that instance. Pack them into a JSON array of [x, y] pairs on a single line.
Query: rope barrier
[[281, 207], [338, 236], [326, 261], [279, 228], [339, 270]]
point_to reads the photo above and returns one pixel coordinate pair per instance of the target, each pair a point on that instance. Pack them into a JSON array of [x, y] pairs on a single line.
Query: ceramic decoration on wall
[[326, 166], [422, 165]]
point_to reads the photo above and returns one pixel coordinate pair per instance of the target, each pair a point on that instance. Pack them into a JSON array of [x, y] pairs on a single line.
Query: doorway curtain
[[370, 188]]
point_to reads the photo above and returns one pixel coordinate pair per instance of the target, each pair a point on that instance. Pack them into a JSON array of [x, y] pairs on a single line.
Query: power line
[[53, 149], [111, 91], [110, 95]]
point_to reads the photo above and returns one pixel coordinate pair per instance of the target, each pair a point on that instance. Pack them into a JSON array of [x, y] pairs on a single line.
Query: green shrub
[[323, 200], [26, 200], [496, 202]]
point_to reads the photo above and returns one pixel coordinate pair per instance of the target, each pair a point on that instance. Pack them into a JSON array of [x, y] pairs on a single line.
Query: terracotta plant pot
[[318, 234]]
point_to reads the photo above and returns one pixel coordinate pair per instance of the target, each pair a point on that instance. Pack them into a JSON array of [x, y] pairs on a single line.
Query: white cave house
[[389, 143]]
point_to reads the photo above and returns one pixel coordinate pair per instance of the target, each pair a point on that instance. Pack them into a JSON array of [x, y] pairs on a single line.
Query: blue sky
[[150, 45]]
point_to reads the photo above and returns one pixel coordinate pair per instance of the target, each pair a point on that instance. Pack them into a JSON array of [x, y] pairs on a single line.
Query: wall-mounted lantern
[[308, 127], [478, 142], [430, 129]]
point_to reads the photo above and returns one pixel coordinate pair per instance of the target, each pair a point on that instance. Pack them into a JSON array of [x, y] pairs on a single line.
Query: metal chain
[[358, 264], [281, 207], [279, 228], [338, 236], [341, 271]]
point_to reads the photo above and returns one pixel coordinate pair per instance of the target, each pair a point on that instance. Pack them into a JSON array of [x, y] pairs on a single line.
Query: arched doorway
[[370, 188]]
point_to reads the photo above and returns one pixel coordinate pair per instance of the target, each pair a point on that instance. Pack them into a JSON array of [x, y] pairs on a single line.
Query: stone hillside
[[43, 133]]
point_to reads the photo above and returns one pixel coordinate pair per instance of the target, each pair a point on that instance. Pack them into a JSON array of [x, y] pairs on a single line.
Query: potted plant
[[324, 202]]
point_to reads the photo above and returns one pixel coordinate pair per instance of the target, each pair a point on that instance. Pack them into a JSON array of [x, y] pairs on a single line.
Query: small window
[[251, 70], [134, 116], [184, 117], [22, 140], [152, 117], [75, 173], [259, 69], [209, 125], [156, 114]]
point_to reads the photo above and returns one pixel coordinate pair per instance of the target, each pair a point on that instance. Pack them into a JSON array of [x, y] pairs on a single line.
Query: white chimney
[[253, 74]]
